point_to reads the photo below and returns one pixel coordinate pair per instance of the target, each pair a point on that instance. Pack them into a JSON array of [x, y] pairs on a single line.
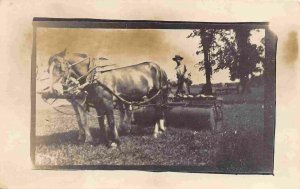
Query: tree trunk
[[242, 35], [245, 85], [206, 41]]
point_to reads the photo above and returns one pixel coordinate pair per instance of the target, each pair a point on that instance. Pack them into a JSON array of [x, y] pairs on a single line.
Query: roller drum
[[194, 117]]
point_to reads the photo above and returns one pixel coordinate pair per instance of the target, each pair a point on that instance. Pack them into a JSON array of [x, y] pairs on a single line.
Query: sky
[[131, 46]]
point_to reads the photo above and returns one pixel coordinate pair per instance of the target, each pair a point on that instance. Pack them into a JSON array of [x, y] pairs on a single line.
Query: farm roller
[[189, 112], [192, 111]]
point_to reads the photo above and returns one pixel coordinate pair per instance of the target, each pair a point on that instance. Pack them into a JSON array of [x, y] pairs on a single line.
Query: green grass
[[237, 147]]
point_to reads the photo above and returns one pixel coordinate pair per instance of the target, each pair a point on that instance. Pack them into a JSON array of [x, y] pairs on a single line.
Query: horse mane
[[51, 59], [82, 55], [60, 54]]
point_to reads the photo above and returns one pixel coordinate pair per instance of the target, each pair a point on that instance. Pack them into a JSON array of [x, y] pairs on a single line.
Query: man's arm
[[184, 69]]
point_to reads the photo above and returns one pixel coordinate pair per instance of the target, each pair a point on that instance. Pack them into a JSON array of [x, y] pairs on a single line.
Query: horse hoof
[[89, 140], [113, 145], [96, 141], [162, 129], [155, 135], [81, 138], [125, 130]]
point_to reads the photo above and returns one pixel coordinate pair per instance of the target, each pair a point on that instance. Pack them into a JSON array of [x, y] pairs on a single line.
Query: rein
[[92, 71], [80, 104], [133, 103], [71, 65], [91, 81], [51, 105]]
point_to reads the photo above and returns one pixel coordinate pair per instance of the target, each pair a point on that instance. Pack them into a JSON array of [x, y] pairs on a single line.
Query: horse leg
[[88, 136], [155, 133], [162, 127], [112, 126], [122, 113], [161, 109], [123, 123], [84, 132], [129, 116], [159, 127], [103, 128], [113, 130]]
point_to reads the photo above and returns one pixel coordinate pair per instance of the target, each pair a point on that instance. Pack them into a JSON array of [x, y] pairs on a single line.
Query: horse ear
[[64, 52]]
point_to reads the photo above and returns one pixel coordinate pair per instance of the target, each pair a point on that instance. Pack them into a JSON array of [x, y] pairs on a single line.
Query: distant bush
[[257, 81]]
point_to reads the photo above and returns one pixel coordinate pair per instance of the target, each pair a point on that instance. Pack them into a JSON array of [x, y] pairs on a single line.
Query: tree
[[248, 57], [213, 50], [207, 37], [229, 49]]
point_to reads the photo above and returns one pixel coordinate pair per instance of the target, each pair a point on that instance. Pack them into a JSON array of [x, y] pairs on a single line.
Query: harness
[[74, 87]]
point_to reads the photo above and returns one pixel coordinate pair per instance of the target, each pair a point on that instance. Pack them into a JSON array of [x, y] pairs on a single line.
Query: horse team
[[121, 86]]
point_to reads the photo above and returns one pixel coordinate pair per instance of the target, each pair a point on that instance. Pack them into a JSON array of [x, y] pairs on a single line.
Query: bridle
[[69, 72], [69, 69], [67, 79], [70, 66]]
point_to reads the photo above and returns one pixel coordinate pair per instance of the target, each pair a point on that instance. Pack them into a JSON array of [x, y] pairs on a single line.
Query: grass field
[[237, 147]]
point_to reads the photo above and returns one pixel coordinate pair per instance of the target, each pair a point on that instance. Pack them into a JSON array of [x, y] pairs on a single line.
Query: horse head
[[58, 71], [63, 66]]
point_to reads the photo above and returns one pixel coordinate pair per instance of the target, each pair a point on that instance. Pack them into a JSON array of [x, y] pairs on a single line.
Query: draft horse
[[124, 86]]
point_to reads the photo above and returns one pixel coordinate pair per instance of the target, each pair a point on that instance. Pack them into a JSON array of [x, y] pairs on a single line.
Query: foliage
[[222, 49], [226, 47]]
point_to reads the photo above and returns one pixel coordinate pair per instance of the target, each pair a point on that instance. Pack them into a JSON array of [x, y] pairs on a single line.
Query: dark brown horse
[[122, 85]]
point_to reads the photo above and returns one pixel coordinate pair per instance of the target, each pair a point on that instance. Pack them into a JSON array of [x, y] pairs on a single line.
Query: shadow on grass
[[70, 137], [137, 130], [241, 151]]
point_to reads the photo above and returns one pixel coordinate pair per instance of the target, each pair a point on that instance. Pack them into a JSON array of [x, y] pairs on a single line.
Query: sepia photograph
[[150, 94], [153, 95]]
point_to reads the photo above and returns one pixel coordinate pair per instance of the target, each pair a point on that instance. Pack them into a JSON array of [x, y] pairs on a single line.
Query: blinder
[[70, 79], [62, 67]]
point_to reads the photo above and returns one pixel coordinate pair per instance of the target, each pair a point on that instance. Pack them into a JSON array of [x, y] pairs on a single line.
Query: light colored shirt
[[181, 71]]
